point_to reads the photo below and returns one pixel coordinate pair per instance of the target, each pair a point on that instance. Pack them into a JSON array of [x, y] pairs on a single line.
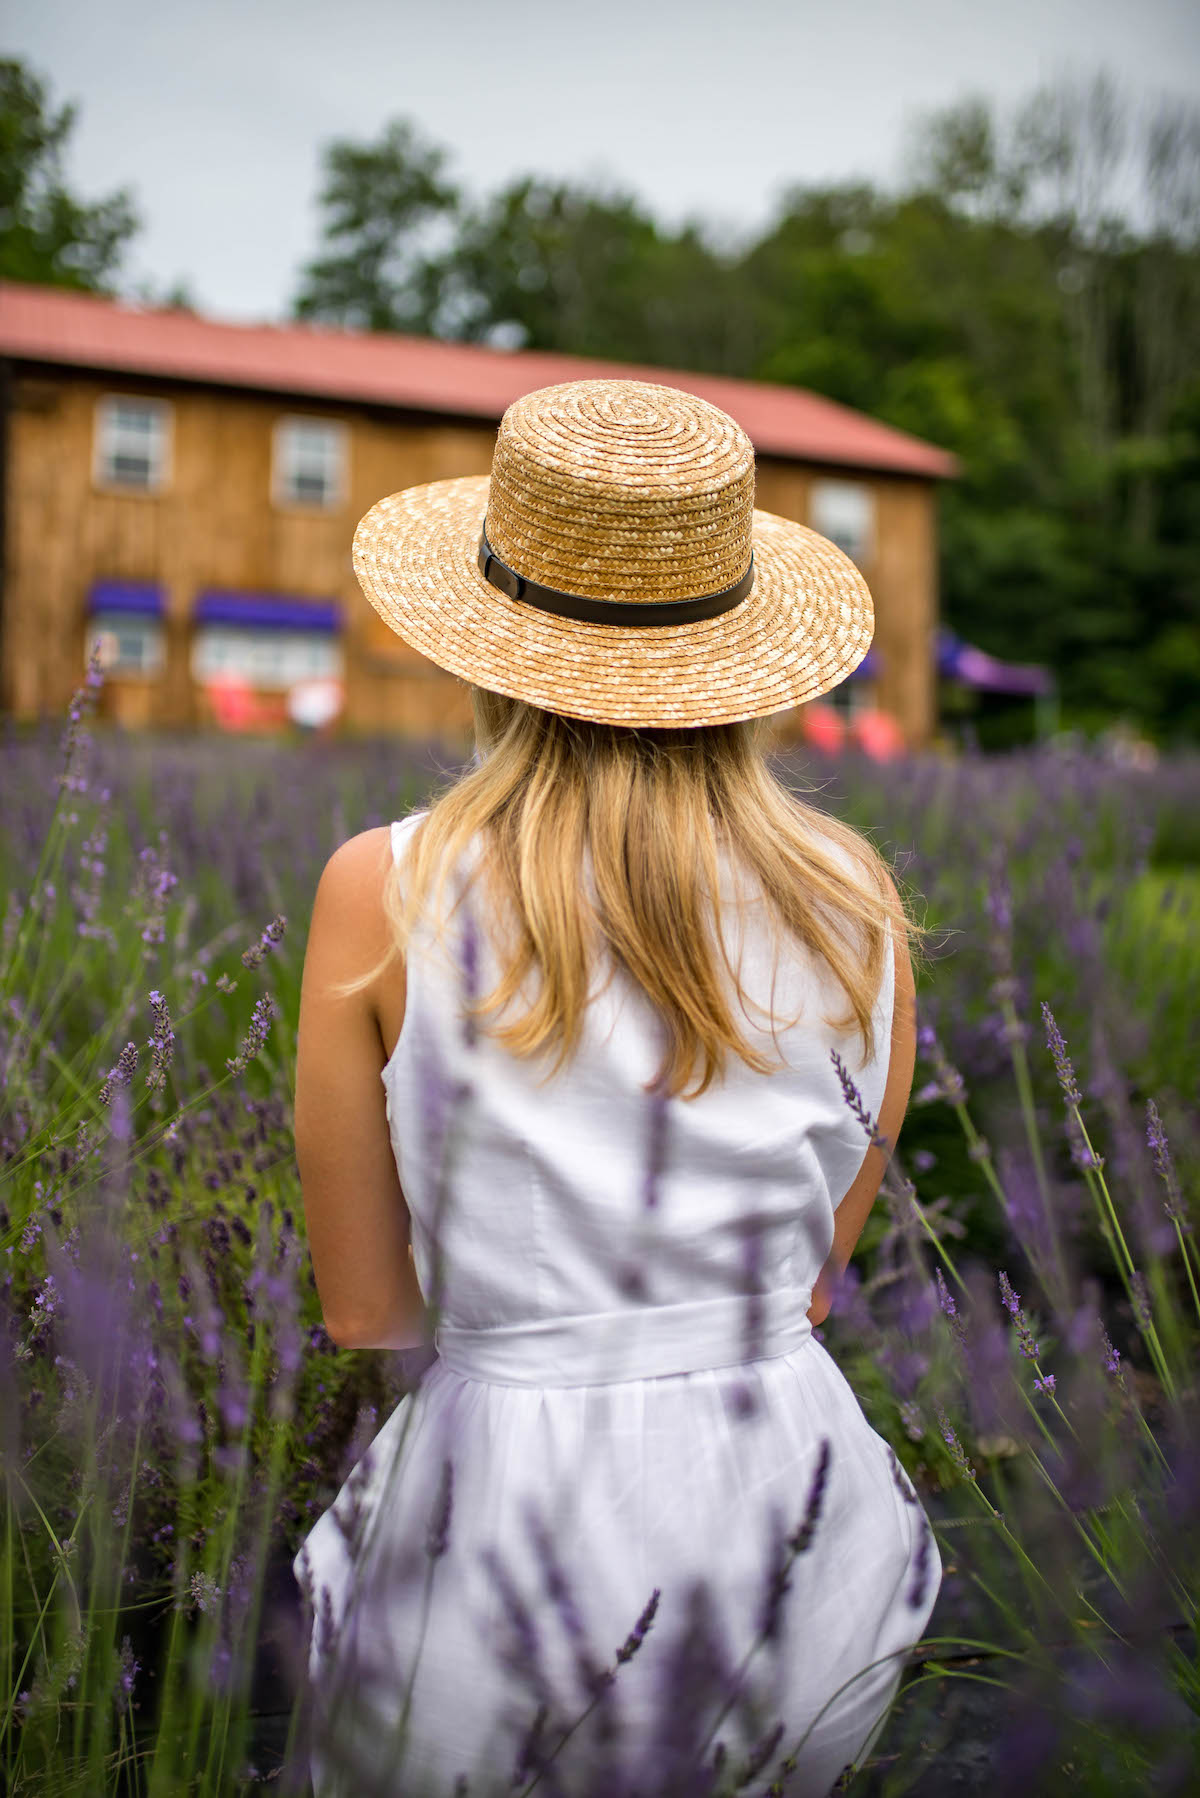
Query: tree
[[559, 266], [379, 201], [46, 235]]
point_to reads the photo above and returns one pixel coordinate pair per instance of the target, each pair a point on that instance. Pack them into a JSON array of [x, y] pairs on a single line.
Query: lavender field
[[1022, 1320]]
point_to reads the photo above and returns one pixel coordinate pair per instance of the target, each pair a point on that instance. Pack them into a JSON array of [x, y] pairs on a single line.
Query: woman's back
[[627, 1393], [585, 1198]]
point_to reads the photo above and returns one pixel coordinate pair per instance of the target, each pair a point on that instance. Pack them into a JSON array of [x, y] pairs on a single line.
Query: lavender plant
[[1022, 1325]]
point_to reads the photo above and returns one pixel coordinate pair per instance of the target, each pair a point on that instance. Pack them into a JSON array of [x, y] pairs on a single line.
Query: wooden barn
[[187, 491]]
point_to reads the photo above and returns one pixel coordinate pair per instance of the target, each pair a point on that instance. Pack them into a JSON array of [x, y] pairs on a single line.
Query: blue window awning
[[144, 598], [267, 611]]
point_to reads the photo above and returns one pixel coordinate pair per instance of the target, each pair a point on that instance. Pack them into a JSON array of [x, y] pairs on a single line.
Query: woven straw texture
[[620, 490]]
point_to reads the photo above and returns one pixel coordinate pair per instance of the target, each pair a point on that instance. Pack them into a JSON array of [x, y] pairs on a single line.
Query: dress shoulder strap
[[402, 828]]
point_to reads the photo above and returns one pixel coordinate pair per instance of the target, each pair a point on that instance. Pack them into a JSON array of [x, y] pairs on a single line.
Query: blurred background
[[260, 266]]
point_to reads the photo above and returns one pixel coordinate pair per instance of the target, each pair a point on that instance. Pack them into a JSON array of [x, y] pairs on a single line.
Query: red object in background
[[824, 727], [878, 734], [237, 706]]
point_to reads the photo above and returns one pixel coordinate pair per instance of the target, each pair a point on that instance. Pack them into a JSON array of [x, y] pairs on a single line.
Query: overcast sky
[[214, 112]]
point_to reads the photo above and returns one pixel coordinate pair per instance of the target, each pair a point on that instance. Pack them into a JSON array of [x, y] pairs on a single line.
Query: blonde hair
[[652, 807]]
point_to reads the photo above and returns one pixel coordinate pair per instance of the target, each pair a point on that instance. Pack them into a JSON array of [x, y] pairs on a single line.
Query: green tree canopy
[[46, 234], [379, 201]]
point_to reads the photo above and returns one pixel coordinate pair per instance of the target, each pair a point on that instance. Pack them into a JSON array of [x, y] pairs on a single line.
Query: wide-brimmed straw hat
[[613, 567]]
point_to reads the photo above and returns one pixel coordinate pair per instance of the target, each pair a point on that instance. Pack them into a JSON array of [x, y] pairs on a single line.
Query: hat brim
[[806, 623]]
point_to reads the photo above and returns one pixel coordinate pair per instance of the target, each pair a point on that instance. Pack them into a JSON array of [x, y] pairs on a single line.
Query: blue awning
[[267, 611], [146, 598]]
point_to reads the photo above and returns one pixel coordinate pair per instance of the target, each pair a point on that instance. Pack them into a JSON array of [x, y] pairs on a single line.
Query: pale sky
[[214, 111]]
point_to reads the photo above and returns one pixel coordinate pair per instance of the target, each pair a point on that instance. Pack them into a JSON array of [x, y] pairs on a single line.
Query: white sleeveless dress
[[627, 1396]]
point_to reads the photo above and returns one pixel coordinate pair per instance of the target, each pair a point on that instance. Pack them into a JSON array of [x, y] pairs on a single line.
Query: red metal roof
[[51, 325]]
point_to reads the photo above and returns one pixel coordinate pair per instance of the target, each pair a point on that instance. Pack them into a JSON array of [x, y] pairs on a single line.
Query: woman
[[615, 985]]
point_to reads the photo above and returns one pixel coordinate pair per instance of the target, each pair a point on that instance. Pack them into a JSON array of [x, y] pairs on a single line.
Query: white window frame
[[287, 462], [111, 627], [107, 439], [844, 511], [269, 660]]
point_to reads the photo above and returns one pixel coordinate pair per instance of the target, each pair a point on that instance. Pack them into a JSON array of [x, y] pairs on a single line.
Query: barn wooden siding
[[217, 526]]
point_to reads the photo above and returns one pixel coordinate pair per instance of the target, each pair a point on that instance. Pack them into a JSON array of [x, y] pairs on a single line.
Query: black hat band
[[607, 611]]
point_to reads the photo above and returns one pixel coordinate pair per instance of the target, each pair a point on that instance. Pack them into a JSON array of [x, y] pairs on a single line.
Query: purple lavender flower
[[47, 1301], [948, 1083], [87, 896], [1112, 1356], [854, 1100], [127, 1674], [911, 1418], [1156, 1136], [1046, 1384], [257, 952], [1012, 1303], [945, 1300], [76, 740], [1062, 1062], [120, 1074], [1008, 1297], [151, 891], [640, 1629], [778, 1583], [900, 1479], [161, 1043], [205, 1591], [260, 1023], [915, 1596], [1141, 1299], [803, 1536], [950, 1438], [758, 1756]]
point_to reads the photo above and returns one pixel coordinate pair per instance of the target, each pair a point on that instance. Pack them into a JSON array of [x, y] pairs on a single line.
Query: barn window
[[133, 441], [265, 640], [844, 511], [126, 620], [309, 463]]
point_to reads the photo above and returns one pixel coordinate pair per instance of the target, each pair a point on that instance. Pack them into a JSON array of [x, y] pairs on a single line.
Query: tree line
[[997, 302]]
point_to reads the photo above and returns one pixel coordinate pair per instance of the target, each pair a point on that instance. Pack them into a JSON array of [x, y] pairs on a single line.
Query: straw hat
[[613, 567]]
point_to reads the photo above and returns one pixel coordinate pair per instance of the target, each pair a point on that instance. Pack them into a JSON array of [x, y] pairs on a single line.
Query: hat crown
[[622, 490]]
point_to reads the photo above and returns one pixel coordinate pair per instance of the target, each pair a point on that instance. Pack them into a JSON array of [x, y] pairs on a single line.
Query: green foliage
[[46, 234], [378, 198]]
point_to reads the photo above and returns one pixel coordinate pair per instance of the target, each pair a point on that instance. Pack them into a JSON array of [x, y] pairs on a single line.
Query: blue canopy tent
[[974, 668]]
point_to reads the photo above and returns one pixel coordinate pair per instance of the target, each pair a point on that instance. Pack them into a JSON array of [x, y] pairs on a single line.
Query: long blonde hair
[[652, 808]]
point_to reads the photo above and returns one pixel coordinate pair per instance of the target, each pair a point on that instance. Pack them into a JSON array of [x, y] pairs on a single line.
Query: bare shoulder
[[348, 911], [359, 859]]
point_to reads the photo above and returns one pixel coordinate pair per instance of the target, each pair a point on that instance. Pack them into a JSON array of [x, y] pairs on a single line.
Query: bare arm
[[855, 1208], [358, 1223]]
